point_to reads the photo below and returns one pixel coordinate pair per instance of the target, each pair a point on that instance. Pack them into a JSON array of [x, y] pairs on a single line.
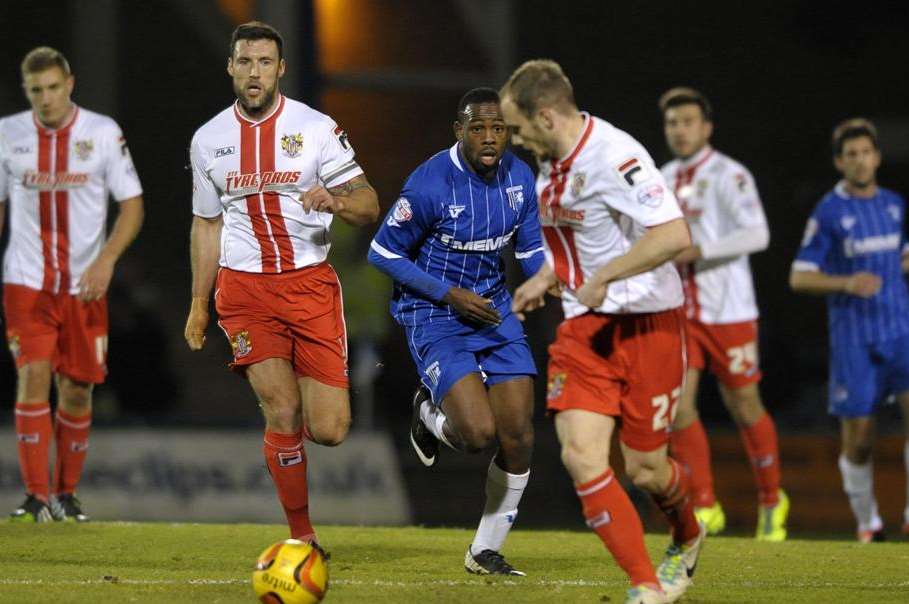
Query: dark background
[[780, 75]]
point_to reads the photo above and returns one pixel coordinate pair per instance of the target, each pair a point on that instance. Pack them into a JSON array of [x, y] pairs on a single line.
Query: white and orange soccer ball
[[290, 572]]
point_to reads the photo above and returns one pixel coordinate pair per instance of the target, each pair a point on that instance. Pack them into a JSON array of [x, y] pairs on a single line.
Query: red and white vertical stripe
[[257, 155], [683, 178], [560, 239], [53, 206]]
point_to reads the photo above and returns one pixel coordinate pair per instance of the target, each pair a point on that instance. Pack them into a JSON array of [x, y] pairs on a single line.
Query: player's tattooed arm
[[354, 201], [354, 184]]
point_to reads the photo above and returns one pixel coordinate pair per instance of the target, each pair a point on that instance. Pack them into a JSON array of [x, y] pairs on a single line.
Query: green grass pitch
[[158, 562]]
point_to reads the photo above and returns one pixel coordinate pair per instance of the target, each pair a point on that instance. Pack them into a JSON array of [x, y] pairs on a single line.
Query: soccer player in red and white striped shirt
[[723, 209], [59, 163], [269, 175], [610, 224]]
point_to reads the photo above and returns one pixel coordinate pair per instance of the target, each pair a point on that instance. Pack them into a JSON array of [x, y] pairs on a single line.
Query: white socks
[[503, 493], [858, 482], [433, 418]]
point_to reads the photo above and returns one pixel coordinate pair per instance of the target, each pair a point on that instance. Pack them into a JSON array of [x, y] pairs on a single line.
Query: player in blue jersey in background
[[854, 251], [441, 243]]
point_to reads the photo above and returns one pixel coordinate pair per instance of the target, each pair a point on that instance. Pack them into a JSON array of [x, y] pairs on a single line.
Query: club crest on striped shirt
[[292, 144], [83, 149], [577, 183], [515, 196]]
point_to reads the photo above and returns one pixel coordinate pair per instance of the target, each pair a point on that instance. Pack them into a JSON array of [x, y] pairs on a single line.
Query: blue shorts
[[498, 354], [863, 376]]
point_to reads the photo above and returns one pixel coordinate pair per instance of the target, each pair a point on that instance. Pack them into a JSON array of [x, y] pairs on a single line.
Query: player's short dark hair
[[855, 127], [44, 58], [537, 84], [475, 97], [256, 30], [683, 95]]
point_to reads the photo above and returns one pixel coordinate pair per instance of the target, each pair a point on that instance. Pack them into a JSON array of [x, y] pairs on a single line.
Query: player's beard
[[259, 106]]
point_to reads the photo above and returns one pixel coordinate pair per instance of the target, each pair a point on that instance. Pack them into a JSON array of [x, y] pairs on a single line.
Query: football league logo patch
[[292, 144], [83, 149], [402, 212], [342, 138], [241, 344]]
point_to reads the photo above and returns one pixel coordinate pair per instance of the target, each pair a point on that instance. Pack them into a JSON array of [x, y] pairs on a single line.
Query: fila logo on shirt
[[633, 171]]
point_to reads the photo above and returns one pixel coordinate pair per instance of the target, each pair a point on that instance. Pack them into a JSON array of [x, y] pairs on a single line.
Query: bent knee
[[478, 438], [330, 433]]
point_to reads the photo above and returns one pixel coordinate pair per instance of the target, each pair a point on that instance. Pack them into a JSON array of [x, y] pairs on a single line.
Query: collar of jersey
[[274, 113], [697, 160], [45, 131], [455, 157], [840, 189], [566, 161]]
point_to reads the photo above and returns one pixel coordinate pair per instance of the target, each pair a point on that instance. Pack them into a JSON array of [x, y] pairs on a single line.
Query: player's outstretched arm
[[96, 278], [204, 246], [658, 245], [861, 284], [531, 294], [355, 202]]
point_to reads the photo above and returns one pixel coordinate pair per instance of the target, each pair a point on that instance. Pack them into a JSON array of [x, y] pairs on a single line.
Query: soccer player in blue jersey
[[855, 252], [441, 243]]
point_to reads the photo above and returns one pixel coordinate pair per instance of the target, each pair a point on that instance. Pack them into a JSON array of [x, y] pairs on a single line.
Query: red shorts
[[297, 315], [628, 366], [60, 328], [731, 349]]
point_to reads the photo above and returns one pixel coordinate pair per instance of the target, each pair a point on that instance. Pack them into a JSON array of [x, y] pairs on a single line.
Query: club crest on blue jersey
[[515, 197], [894, 213], [292, 144], [847, 221]]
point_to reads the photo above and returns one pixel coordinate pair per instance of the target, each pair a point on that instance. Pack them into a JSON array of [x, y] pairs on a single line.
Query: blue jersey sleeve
[[817, 242], [395, 245], [528, 245]]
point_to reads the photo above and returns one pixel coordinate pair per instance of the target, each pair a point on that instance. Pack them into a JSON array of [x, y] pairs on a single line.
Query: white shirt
[[58, 182], [254, 173], [724, 212], [595, 203]]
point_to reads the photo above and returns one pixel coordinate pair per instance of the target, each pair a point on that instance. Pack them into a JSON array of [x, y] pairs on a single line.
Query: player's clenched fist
[[863, 285], [320, 200], [592, 293], [196, 322]]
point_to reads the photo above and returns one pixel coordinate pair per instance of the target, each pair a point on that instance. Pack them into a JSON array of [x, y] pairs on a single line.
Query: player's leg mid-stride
[[473, 419]]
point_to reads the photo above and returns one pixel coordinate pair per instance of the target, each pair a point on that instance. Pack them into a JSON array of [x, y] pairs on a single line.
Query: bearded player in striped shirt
[[59, 165], [442, 243], [855, 253], [269, 175]]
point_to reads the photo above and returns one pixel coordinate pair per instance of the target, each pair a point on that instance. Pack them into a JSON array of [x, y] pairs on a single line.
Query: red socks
[[286, 462], [690, 447], [71, 433], [33, 433], [763, 452], [611, 515], [676, 505]]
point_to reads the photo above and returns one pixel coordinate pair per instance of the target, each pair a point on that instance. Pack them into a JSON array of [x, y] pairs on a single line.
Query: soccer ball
[[291, 572]]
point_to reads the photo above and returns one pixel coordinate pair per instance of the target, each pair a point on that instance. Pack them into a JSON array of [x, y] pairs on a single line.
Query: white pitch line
[[453, 583]]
